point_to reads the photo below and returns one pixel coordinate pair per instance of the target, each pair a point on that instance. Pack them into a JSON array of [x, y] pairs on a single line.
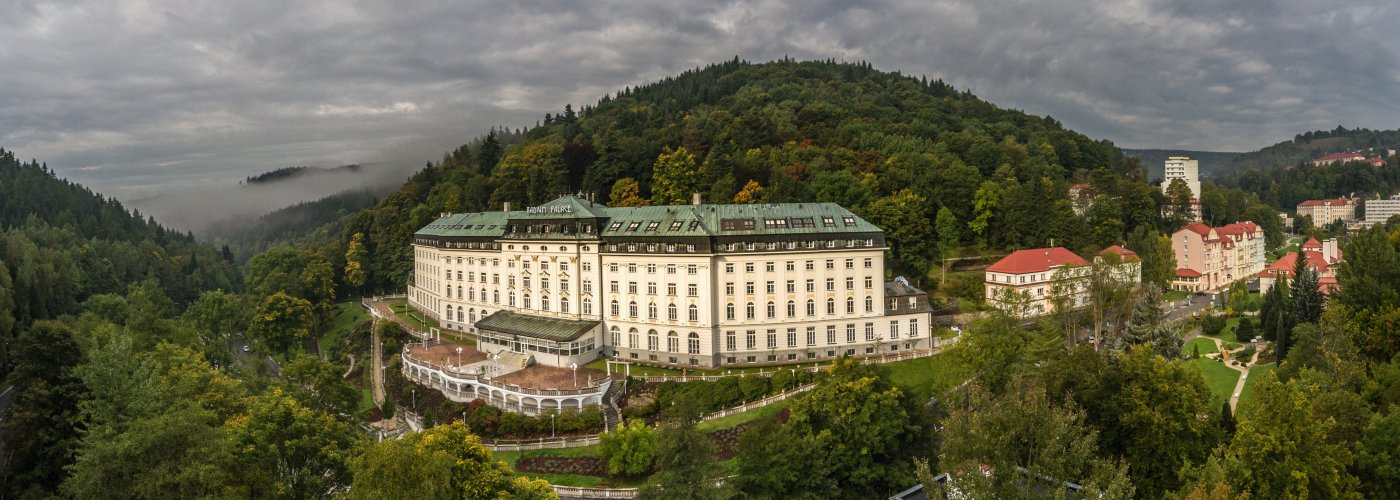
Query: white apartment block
[[686, 285], [1186, 169], [1379, 211]]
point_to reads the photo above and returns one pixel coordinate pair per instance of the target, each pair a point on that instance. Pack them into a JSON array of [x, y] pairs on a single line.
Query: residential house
[[1323, 258], [1042, 274]]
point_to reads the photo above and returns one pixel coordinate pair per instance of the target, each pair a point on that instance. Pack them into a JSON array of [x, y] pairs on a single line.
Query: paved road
[[1183, 310]]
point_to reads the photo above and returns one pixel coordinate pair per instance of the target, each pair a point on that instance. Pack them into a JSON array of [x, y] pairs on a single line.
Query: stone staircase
[[612, 414]]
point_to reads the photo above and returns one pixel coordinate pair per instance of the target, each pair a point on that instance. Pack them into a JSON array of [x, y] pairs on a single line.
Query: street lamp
[[459, 357], [551, 425], [572, 366], [414, 394]]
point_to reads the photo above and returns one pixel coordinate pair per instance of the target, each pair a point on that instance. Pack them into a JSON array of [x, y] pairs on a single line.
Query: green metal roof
[[565, 207], [487, 224], [668, 220], [558, 330]]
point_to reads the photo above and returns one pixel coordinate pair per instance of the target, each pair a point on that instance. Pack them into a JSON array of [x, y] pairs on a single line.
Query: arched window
[[449, 291], [525, 300], [471, 294], [449, 313], [729, 311], [632, 308], [632, 338], [544, 303], [459, 315], [750, 311], [651, 340], [614, 310], [651, 310], [869, 304], [811, 307], [694, 343], [673, 342], [850, 305], [694, 313], [772, 310], [564, 305], [671, 312], [587, 306], [831, 306], [616, 337], [471, 315], [792, 308], [510, 299]]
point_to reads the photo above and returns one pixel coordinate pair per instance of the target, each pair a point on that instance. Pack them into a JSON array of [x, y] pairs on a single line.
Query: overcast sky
[[133, 97]]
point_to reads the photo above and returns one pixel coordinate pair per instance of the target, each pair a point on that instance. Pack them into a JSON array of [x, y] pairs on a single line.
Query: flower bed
[[582, 466]]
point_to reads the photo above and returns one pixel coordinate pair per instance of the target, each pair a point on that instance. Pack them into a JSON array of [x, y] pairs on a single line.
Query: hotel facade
[[695, 285]]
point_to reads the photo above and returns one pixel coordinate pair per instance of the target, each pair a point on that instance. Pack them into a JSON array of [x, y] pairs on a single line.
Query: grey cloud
[[136, 98]]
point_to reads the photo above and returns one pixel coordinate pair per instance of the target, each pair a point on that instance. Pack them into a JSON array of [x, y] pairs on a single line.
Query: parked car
[[246, 349]]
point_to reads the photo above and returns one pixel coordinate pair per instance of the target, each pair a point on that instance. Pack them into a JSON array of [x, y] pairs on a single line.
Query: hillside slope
[[895, 149]]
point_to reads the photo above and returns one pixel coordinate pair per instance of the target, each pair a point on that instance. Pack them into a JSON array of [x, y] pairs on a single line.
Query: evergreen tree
[[1147, 315], [489, 153], [1307, 297]]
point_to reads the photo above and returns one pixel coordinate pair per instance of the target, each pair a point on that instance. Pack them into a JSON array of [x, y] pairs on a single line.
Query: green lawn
[[740, 418], [1207, 346], [928, 376], [1219, 377], [1256, 373], [510, 457], [1175, 295]]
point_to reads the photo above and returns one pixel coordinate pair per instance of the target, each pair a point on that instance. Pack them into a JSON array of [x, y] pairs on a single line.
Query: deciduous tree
[[627, 193], [674, 177], [442, 462], [629, 448], [281, 321]]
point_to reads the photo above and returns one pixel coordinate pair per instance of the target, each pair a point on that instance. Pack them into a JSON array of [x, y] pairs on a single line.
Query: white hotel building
[[685, 285]]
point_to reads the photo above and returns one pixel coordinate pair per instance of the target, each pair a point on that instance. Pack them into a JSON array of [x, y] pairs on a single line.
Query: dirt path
[[1244, 371], [351, 368], [377, 366]]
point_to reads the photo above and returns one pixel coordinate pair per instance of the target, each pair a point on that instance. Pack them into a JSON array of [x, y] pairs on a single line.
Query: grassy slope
[[1256, 372], [1219, 377]]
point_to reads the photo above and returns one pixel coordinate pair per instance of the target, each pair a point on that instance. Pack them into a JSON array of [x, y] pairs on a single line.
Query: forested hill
[[1309, 145], [61, 243], [1211, 163], [894, 148]]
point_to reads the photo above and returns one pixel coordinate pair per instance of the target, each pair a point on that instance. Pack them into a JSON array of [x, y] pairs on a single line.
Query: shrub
[[1245, 331], [388, 408], [1212, 324], [754, 387]]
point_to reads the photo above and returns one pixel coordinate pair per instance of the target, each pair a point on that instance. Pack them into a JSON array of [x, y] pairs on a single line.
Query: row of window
[[750, 311], [771, 337], [693, 312], [632, 267], [791, 265], [691, 290], [793, 245], [771, 286], [653, 340]]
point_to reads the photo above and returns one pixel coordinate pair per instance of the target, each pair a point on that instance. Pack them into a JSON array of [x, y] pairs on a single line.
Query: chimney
[[694, 198], [505, 207]]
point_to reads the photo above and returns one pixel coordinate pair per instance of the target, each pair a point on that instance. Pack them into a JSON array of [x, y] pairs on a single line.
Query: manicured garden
[[1200, 345]]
